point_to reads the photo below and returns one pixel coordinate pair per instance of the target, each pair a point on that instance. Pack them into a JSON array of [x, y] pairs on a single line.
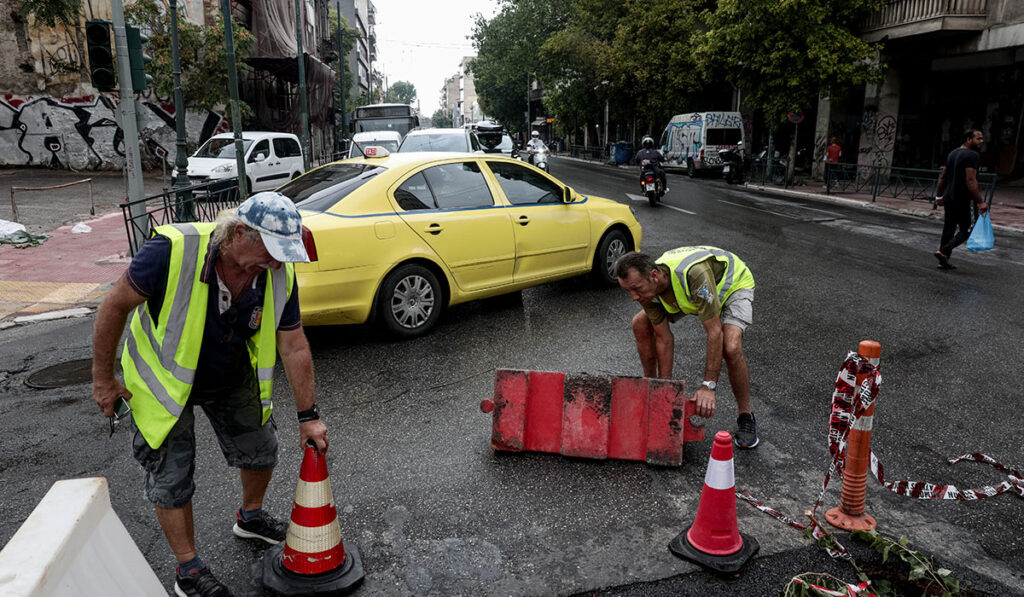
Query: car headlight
[[224, 168]]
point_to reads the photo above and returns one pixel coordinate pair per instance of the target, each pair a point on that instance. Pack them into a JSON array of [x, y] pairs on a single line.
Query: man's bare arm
[[974, 190], [298, 365], [110, 321]]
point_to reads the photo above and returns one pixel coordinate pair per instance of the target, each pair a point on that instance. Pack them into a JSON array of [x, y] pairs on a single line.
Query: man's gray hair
[[641, 262], [226, 222]]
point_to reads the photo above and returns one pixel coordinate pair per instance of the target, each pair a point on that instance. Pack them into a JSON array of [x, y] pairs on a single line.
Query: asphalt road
[[433, 511]]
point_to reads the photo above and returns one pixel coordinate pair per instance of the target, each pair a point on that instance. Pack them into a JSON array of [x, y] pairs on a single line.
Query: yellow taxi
[[400, 237]]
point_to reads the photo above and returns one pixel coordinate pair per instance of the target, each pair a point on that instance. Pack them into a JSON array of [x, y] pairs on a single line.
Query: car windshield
[[221, 147], [724, 136], [435, 142], [320, 189], [390, 145]]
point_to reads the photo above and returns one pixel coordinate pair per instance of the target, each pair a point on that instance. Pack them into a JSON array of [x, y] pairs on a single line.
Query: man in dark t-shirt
[[958, 189]]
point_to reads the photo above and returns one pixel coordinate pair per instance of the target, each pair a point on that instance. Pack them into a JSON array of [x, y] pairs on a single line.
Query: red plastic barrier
[[590, 416]]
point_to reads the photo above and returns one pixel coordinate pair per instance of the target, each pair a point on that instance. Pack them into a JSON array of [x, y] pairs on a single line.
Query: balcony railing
[[905, 18]]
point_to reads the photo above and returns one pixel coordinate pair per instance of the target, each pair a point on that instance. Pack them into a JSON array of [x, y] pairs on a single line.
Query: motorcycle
[[539, 157], [732, 164], [650, 183]]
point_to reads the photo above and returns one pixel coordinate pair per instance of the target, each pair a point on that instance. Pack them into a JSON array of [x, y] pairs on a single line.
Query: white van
[[271, 159], [692, 140], [389, 140]]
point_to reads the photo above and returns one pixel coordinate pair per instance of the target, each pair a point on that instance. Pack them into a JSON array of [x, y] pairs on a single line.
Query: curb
[[919, 213]]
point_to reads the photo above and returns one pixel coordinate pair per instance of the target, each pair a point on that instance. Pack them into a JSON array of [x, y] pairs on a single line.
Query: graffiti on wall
[[683, 140], [81, 133]]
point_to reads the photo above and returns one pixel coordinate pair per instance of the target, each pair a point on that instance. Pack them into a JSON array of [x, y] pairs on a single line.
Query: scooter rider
[[654, 157], [534, 145]]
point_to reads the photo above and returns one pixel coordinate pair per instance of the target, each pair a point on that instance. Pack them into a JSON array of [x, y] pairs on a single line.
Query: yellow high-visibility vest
[[679, 261], [159, 357]]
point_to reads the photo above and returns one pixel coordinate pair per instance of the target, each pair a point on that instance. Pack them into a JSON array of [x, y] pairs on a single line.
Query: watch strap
[[310, 414]]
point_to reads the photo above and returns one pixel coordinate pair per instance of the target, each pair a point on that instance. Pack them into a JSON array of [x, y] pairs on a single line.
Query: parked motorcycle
[[650, 183], [732, 163], [539, 157]]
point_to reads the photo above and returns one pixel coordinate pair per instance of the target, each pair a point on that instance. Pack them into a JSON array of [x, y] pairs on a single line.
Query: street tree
[[508, 55], [204, 73], [652, 73], [783, 54], [401, 92], [441, 119], [344, 79]]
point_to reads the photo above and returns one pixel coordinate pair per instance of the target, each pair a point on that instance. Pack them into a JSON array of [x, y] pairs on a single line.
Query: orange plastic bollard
[[850, 514]]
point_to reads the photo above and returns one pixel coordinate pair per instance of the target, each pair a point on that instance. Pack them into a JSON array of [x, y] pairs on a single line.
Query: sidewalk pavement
[[77, 269]]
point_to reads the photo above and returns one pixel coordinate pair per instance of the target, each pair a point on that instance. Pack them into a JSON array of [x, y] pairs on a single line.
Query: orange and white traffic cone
[[850, 515], [312, 560], [714, 540]]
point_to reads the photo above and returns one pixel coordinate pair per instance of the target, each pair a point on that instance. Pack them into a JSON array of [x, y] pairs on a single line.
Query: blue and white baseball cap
[[279, 225]]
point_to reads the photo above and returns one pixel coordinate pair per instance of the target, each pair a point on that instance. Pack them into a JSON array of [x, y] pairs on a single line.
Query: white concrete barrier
[[73, 544]]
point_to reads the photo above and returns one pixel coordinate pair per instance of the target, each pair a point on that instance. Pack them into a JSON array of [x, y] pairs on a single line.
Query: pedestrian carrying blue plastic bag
[[981, 238]]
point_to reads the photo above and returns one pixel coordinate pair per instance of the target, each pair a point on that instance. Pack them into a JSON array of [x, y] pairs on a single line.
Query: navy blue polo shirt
[[223, 357]]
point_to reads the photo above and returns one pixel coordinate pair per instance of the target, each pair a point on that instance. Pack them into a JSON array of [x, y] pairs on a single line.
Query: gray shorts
[[235, 416], [738, 309]]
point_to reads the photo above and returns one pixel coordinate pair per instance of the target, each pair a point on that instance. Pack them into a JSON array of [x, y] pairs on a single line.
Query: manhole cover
[[68, 373]]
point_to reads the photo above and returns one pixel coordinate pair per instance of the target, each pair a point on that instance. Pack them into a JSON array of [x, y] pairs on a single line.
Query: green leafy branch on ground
[[885, 582]]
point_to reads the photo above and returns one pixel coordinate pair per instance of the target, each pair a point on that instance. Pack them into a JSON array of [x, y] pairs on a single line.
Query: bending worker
[[211, 307], [705, 281]]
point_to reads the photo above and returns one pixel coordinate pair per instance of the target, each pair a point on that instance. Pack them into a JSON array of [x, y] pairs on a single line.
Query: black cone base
[[730, 563], [282, 581]]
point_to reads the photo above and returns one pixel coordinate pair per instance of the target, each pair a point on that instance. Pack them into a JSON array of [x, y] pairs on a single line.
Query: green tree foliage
[[782, 53], [204, 73], [349, 35], [401, 92], [441, 119], [53, 12], [508, 55]]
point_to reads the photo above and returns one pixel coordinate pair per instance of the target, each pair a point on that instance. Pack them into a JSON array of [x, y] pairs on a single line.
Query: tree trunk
[[586, 135], [792, 155]]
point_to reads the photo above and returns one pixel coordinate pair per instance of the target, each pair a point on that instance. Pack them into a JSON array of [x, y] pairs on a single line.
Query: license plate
[[725, 169], [649, 186]]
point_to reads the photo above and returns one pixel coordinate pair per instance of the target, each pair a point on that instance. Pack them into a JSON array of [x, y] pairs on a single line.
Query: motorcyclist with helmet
[[653, 158], [534, 145]]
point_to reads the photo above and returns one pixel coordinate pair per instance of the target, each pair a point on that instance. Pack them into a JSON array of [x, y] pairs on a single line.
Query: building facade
[[51, 115], [950, 66]]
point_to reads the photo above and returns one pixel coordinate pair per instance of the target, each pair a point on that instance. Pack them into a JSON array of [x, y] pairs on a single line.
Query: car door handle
[[434, 229], [524, 220]]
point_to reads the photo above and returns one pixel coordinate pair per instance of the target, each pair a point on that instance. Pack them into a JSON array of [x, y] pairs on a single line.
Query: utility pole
[[129, 126], [182, 196], [526, 131], [236, 114], [303, 101], [342, 83]]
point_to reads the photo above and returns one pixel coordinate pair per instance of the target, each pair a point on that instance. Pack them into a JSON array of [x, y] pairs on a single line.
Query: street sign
[[795, 116]]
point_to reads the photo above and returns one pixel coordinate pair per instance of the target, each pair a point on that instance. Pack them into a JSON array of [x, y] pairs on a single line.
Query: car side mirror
[[260, 157], [567, 195]]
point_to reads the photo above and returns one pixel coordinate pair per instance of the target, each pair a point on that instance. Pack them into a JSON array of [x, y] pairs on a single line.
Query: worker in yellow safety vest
[[211, 306], [718, 287]]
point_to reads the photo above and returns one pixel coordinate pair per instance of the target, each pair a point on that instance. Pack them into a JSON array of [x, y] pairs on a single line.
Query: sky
[[423, 42]]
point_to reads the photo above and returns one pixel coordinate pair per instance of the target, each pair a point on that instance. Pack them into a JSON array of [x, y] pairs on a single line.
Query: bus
[[385, 117]]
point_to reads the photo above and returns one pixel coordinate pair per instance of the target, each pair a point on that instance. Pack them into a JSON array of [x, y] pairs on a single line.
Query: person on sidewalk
[[833, 152], [705, 281], [958, 193], [211, 304]]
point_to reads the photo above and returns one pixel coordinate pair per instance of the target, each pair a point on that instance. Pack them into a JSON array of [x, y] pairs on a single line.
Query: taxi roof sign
[[376, 151]]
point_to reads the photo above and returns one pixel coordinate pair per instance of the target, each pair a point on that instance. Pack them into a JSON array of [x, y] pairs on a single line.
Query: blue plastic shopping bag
[[981, 238]]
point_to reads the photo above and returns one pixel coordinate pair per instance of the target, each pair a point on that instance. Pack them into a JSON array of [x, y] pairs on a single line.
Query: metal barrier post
[[14, 207], [92, 203]]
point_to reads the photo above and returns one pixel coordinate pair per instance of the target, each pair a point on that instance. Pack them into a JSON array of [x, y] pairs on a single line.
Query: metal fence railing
[[592, 152], [197, 203], [897, 183]]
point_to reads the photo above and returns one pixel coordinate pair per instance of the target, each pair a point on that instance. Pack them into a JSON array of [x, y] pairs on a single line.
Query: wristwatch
[[709, 385], [310, 414]]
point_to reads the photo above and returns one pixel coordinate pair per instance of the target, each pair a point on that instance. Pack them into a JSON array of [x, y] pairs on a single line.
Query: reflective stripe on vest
[[679, 261], [159, 360]]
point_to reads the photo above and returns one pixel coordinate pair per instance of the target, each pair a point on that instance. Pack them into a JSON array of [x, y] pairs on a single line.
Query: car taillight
[[702, 154], [309, 244]]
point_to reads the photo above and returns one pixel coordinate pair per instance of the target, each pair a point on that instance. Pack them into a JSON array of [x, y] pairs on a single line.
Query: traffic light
[[101, 56], [137, 58]]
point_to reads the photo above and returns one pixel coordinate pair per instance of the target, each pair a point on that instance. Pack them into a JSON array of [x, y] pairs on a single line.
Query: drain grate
[[68, 373]]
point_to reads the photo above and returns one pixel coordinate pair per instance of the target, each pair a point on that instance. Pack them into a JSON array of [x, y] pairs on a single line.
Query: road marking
[[767, 211], [643, 199]]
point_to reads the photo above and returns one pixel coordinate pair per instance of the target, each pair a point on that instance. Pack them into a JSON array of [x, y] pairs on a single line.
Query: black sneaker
[[199, 583], [264, 527], [746, 432]]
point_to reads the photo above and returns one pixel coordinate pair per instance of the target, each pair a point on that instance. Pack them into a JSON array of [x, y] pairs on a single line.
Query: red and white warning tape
[[848, 405], [859, 590]]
